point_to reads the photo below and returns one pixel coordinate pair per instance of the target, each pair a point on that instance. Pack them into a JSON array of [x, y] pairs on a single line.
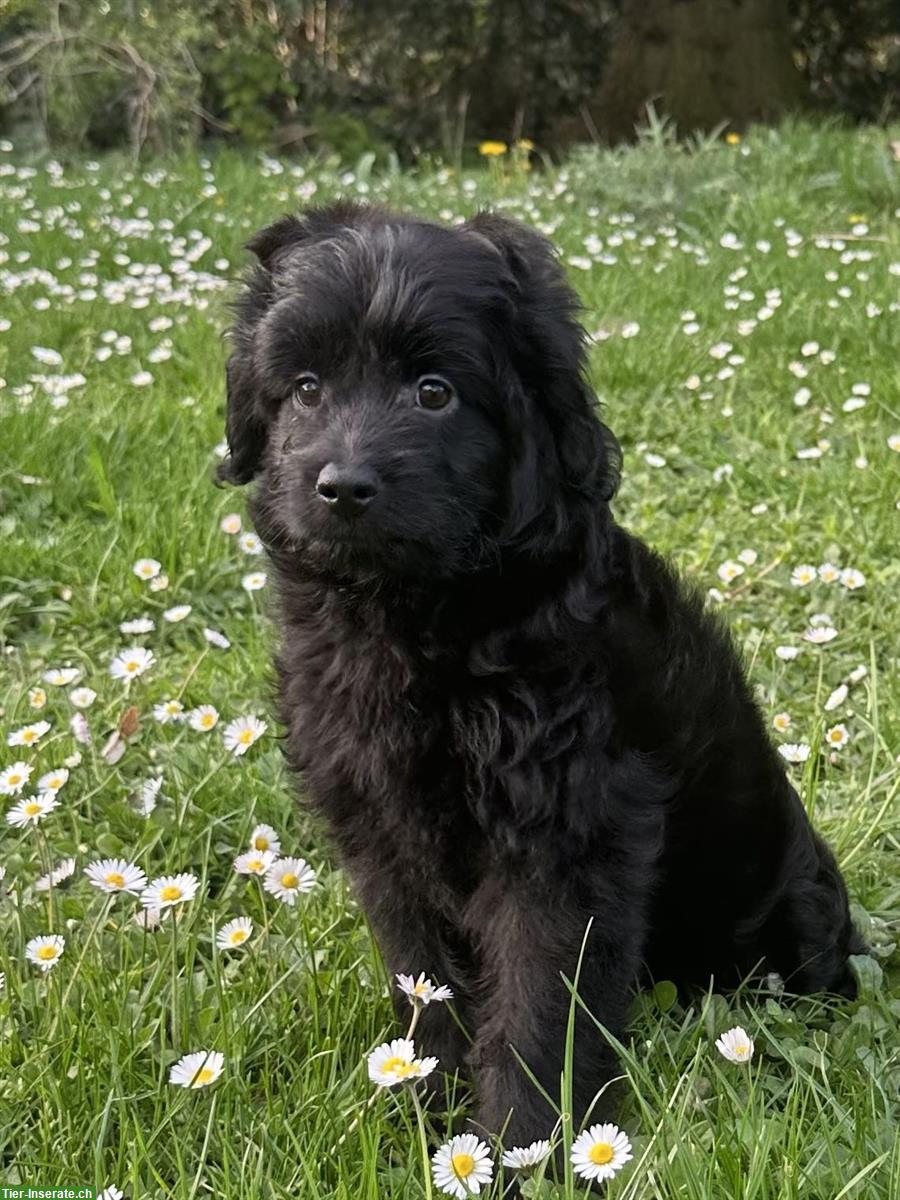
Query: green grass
[[124, 472]]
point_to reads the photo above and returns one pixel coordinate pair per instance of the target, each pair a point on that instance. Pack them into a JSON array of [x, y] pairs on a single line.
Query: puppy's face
[[375, 392]]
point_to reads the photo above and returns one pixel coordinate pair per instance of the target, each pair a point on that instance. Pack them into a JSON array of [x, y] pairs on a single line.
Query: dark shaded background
[[414, 77]]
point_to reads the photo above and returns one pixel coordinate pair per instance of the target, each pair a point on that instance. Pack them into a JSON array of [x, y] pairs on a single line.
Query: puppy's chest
[[363, 716], [387, 740]]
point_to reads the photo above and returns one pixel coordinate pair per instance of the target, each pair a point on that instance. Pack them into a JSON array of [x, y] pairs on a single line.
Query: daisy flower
[[829, 573], [137, 625], [14, 778], [169, 711], [794, 752], [748, 557], [600, 1152], [787, 653], [240, 734], [61, 676], [858, 673], [28, 735], [287, 878], [131, 663], [837, 697], [264, 837], [894, 442], [53, 780], [147, 796], [250, 544], [231, 523], [852, 579], [736, 1045], [820, 635], [255, 862], [81, 731], [178, 613], [395, 1062], [147, 568], [112, 875], [422, 990], [168, 890], [110, 1193], [729, 571], [82, 697], [233, 935], [58, 875], [254, 581], [37, 697], [782, 722], [523, 1158], [219, 640], [45, 951], [197, 1070], [462, 1166], [837, 737], [148, 918], [32, 810], [159, 584], [203, 718], [802, 575]]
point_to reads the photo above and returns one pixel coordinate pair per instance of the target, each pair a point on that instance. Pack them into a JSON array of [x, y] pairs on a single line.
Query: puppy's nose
[[347, 490]]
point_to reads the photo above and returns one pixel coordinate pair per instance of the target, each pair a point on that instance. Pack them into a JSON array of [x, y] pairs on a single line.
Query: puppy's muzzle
[[347, 490]]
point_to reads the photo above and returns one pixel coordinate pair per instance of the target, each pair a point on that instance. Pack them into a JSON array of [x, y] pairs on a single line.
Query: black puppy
[[511, 715]]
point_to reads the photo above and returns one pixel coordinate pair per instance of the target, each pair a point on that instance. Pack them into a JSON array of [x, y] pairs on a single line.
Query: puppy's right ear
[[281, 235], [244, 427], [245, 423]]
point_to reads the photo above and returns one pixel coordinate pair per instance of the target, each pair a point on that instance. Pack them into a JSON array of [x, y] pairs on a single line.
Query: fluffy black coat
[[511, 715]]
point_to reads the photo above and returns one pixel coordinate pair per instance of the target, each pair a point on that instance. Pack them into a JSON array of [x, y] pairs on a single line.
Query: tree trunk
[[700, 62]]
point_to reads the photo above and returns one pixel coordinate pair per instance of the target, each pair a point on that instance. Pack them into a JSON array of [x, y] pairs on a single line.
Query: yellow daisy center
[[114, 879], [170, 892], [463, 1165], [601, 1153], [741, 1050], [29, 736], [237, 936], [32, 809], [204, 1075], [260, 842], [46, 953], [289, 880], [13, 779], [206, 720], [256, 864], [398, 1066], [420, 989], [132, 665], [245, 737]]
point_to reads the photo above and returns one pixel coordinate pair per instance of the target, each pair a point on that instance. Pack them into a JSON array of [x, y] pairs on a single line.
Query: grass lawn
[[743, 303]]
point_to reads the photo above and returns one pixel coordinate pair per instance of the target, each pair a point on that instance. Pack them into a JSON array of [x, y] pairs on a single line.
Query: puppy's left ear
[[548, 350]]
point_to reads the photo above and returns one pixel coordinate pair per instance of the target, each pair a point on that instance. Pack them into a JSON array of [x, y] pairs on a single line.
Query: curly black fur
[[511, 715]]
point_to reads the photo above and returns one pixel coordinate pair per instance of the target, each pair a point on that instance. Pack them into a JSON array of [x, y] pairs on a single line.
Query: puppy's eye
[[307, 391], [433, 393]]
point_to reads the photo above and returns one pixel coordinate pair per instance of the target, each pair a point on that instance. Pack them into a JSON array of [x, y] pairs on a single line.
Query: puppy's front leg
[[413, 938], [532, 937]]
